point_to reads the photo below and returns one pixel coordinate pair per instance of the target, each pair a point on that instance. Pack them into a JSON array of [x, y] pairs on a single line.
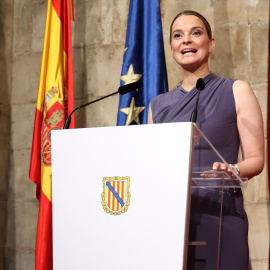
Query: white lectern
[[121, 196]]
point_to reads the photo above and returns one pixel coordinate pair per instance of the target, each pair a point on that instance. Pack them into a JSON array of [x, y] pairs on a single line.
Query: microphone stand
[[193, 117], [121, 90], [67, 123], [200, 85]]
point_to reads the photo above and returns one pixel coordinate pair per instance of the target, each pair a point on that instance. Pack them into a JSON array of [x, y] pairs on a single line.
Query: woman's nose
[[186, 39]]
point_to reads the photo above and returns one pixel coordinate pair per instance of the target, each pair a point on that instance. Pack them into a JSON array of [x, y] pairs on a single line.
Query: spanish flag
[[54, 102]]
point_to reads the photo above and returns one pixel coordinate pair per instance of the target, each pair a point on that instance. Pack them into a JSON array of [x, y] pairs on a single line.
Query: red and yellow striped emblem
[[116, 195]]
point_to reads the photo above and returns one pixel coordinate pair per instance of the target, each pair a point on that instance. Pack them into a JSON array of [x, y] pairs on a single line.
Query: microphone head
[[124, 89], [200, 85]]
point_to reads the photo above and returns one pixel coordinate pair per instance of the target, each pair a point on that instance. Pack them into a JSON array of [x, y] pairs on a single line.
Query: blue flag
[[143, 59]]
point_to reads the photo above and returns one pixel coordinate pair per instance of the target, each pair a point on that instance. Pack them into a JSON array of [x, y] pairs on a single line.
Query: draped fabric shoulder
[[166, 104], [216, 114], [179, 103]]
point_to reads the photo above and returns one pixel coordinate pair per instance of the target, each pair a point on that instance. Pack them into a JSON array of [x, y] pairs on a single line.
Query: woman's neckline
[[206, 80]]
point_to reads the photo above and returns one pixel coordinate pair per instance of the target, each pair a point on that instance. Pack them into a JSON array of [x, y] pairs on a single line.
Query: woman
[[229, 115]]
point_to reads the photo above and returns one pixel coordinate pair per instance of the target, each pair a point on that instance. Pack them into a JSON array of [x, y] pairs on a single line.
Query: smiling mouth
[[188, 51]]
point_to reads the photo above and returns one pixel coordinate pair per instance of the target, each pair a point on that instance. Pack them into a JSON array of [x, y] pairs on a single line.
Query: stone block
[[5, 126], [119, 20], [261, 187], [238, 11], [20, 186], [22, 225], [5, 77], [6, 26], [2, 258], [260, 91], [3, 225], [247, 10], [239, 39], [103, 69], [96, 22], [221, 15], [258, 265], [80, 115], [222, 57], [40, 2], [259, 9], [250, 10], [80, 25], [22, 117], [38, 26], [25, 83], [173, 7], [101, 114], [4, 174], [21, 235], [93, 31], [10, 260], [257, 189], [20, 259], [258, 236], [259, 51], [22, 29], [99, 21], [106, 20], [162, 14], [249, 192], [79, 73]]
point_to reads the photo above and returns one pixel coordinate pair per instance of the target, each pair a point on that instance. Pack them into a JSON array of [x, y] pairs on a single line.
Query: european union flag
[[143, 59]]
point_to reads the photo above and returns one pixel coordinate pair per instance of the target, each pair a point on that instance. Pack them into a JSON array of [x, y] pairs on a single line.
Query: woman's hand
[[232, 170]]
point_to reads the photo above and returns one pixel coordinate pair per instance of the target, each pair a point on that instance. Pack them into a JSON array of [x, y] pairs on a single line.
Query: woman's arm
[[250, 128], [150, 119]]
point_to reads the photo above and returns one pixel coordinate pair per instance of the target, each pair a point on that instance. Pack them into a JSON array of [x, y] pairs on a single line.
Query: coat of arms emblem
[[115, 195]]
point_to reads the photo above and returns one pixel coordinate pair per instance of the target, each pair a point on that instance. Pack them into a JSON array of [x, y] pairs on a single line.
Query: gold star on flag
[[132, 112], [130, 77]]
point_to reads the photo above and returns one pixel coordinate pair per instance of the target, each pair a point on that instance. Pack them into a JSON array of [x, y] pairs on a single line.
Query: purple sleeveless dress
[[217, 120]]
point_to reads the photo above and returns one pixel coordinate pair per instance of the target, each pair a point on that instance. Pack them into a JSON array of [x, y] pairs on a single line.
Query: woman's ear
[[212, 45]]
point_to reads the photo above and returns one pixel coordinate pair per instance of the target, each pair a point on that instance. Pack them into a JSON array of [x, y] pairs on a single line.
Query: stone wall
[[241, 30], [6, 28]]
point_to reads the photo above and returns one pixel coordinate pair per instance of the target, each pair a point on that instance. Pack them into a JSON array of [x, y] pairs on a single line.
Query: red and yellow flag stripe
[[54, 102], [121, 188]]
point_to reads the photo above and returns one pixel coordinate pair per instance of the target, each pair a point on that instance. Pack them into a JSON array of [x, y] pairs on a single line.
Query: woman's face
[[190, 44]]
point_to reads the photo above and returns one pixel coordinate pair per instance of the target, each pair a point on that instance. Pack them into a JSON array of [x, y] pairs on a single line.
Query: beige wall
[[241, 30]]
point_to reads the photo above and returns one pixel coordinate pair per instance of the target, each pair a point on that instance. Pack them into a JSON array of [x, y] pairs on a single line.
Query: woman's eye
[[177, 35], [196, 33]]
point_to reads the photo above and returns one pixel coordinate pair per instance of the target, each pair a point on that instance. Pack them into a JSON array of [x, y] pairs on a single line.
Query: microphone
[[200, 85], [124, 89]]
